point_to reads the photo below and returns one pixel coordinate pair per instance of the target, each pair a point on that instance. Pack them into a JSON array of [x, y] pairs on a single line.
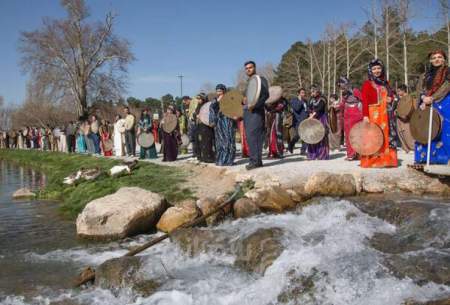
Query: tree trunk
[[323, 65], [311, 65], [405, 58], [387, 40], [334, 64], [329, 69], [347, 47]]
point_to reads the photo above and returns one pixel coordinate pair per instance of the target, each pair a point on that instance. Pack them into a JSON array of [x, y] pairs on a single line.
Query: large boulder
[[129, 211], [259, 250], [271, 199], [328, 184], [23, 193], [245, 207], [178, 215]]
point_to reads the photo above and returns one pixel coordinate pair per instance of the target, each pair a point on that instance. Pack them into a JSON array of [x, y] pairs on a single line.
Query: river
[[326, 242]]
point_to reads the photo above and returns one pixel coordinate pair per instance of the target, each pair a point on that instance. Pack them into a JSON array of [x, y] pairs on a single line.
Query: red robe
[[374, 100]]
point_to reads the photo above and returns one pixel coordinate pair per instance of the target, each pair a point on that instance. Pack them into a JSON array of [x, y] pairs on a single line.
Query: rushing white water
[[327, 241]]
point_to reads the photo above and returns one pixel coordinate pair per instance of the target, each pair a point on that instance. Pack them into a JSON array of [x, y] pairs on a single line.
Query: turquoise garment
[[145, 123], [81, 144], [440, 147]]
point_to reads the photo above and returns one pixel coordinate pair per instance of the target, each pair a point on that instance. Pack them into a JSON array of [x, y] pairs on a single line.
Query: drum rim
[[258, 90], [300, 133], [410, 113], [333, 112]]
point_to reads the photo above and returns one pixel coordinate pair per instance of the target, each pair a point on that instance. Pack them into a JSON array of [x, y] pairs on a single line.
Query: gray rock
[[245, 207], [259, 250], [328, 184], [125, 272], [129, 211]]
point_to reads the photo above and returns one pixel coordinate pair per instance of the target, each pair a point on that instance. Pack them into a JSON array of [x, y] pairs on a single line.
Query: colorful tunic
[[224, 134], [321, 150], [145, 125], [352, 115], [375, 106], [244, 144], [440, 146], [274, 125]]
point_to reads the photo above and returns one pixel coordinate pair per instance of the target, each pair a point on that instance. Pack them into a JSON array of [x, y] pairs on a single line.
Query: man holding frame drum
[[256, 94]]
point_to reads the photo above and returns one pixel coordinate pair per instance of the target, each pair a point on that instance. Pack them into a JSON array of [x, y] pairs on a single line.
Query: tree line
[[77, 66], [345, 50]]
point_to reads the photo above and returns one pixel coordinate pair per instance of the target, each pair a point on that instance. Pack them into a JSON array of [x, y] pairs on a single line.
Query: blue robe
[[224, 134], [440, 147]]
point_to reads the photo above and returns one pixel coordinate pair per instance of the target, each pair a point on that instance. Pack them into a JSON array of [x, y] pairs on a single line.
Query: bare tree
[[444, 9], [80, 59], [404, 8]]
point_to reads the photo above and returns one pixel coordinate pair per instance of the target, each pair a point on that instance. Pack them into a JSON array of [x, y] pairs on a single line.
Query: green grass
[[164, 180]]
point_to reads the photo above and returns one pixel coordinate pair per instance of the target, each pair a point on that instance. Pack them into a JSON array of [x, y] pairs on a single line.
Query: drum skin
[[231, 104], [420, 120], [311, 131], [170, 122], [366, 138], [204, 114], [146, 139], [253, 91], [275, 93]]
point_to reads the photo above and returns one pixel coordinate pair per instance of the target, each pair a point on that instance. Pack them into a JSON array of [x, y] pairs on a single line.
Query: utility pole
[[181, 84]]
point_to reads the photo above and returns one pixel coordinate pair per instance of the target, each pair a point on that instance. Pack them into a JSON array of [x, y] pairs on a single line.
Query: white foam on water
[[326, 241], [76, 255]]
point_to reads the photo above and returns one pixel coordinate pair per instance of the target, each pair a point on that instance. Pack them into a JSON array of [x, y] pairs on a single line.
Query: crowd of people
[[273, 126]]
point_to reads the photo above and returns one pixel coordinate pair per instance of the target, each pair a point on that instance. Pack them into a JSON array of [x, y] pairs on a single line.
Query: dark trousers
[[255, 131], [192, 133], [130, 142], [96, 139], [294, 140], [71, 143]]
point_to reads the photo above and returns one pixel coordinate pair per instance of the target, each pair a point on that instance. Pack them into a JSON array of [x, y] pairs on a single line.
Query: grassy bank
[[160, 179]]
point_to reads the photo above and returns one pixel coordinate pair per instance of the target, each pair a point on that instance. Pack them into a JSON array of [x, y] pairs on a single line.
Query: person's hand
[[235, 118], [422, 106], [244, 101], [428, 100], [312, 115], [366, 119]]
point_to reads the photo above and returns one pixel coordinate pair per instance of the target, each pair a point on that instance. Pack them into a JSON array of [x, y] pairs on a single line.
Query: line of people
[[213, 134]]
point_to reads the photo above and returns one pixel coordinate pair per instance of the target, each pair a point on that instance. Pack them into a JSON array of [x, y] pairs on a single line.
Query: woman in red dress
[[377, 97], [352, 113]]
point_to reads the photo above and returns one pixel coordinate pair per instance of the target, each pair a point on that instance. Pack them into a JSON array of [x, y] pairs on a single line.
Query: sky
[[207, 41]]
